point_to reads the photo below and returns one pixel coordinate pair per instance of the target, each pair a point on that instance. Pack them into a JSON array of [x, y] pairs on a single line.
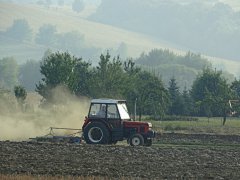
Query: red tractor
[[108, 122]]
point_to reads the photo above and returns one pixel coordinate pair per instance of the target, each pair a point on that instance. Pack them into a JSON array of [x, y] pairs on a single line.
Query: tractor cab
[[108, 121], [108, 109]]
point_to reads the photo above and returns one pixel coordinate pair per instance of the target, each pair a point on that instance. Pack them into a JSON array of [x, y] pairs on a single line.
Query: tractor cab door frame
[[113, 116], [107, 112]]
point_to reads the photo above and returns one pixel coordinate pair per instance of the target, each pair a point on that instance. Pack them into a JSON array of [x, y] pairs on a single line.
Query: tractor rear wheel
[[136, 140], [96, 133]]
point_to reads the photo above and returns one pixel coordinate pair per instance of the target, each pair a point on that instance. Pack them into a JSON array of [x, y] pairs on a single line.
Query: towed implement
[[54, 138]]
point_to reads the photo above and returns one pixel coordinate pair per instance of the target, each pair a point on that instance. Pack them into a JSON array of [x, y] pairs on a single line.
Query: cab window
[[98, 110], [112, 112]]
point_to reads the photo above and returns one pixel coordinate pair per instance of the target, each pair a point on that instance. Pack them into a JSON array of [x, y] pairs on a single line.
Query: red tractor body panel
[[141, 127]]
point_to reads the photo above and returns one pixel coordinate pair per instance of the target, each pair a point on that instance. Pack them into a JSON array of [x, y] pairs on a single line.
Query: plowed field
[[211, 157]]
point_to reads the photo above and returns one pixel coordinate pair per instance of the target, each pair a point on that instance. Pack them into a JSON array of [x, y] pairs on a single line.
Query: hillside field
[[95, 34]]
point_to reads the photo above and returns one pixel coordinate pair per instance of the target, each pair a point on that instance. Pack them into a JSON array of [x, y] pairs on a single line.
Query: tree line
[[20, 32], [208, 96], [166, 64], [112, 78]]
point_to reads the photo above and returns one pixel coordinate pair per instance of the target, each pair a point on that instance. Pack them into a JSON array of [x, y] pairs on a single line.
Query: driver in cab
[[102, 112]]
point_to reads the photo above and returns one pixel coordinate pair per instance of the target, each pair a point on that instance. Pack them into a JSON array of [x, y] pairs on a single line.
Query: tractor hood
[[136, 124], [143, 128]]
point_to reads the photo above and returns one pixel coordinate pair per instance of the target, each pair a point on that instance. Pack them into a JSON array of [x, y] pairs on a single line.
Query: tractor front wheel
[[136, 140], [96, 133]]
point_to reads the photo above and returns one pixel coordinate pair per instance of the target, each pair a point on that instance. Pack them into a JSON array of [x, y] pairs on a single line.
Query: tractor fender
[[99, 121]]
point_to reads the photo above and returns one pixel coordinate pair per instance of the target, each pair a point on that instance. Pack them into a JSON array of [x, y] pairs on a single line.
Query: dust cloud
[[34, 119]]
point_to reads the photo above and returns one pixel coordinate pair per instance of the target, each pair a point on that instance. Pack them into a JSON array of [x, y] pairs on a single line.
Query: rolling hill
[[96, 34]]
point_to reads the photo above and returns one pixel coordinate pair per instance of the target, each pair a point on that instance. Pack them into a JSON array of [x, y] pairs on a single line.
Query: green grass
[[203, 125]]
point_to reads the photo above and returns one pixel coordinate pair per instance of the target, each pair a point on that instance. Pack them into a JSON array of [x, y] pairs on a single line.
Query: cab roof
[[107, 101]]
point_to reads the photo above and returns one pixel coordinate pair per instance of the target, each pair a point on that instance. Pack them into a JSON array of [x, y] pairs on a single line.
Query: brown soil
[[156, 162], [203, 139]]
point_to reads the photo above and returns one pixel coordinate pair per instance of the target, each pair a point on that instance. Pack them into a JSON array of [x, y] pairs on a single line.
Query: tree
[[166, 63], [187, 103], [82, 76], [235, 87], [8, 72], [176, 107], [146, 90], [61, 69], [130, 90], [211, 93], [46, 35], [20, 94], [78, 5], [152, 97], [130, 67], [19, 31], [195, 61], [235, 101], [108, 77], [70, 41]]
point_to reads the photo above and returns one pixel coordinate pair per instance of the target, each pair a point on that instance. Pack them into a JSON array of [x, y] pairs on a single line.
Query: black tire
[[136, 140], [148, 142], [96, 133]]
